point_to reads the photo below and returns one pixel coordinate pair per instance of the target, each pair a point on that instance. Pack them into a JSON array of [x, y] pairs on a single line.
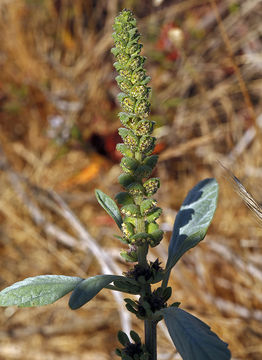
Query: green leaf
[[110, 207], [193, 219], [38, 290], [124, 285], [193, 338], [89, 288]]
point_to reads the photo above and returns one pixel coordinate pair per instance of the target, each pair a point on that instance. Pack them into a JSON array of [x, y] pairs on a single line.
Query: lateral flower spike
[[138, 144]]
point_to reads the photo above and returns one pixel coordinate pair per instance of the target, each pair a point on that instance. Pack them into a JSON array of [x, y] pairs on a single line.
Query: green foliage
[[110, 207], [38, 291], [192, 337], [89, 288], [193, 219]]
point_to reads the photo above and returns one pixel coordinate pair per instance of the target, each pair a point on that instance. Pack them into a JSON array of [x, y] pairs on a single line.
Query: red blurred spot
[[166, 44]]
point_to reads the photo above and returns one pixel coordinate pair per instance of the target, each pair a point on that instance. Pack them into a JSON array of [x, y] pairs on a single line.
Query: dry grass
[[55, 60]]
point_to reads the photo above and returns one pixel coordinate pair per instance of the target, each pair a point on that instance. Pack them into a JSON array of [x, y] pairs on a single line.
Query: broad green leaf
[[110, 207], [193, 219], [89, 288], [193, 338], [38, 291]]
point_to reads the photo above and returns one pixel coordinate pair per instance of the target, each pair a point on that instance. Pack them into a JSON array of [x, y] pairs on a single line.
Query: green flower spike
[[137, 206]]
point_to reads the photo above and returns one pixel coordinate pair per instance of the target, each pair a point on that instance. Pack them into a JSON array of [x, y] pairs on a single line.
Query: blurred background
[[58, 131]]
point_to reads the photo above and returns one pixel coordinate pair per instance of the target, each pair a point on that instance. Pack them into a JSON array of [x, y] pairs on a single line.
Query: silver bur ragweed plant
[[136, 216]]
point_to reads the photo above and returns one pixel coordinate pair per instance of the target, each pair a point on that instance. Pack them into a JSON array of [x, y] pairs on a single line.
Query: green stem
[[142, 250], [142, 253], [150, 338], [138, 156]]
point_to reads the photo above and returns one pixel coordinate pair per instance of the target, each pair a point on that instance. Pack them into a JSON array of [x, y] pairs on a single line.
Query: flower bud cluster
[[149, 305], [138, 163], [133, 350]]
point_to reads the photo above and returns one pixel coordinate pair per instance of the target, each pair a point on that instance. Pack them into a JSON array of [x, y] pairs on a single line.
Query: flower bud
[[131, 210], [117, 49], [129, 164], [131, 220], [146, 144], [128, 104], [130, 255], [125, 179], [152, 227], [147, 206], [151, 186], [124, 84], [118, 66], [157, 237], [123, 338], [133, 48], [130, 139], [123, 198], [139, 91], [122, 58], [134, 36], [144, 127], [128, 230], [126, 74], [135, 62], [141, 238], [136, 189], [143, 172], [124, 150], [153, 216], [128, 120], [151, 161], [141, 108], [135, 337], [138, 76]]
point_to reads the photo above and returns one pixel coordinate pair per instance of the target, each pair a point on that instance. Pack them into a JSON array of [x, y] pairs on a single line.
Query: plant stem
[[142, 253], [150, 338]]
